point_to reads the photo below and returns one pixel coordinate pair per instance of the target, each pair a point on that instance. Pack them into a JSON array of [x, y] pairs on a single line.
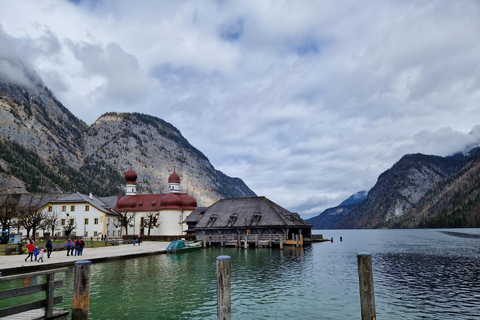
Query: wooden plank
[[17, 292], [27, 306], [32, 274]]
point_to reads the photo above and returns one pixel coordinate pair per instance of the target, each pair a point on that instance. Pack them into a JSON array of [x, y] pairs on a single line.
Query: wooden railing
[[49, 286]]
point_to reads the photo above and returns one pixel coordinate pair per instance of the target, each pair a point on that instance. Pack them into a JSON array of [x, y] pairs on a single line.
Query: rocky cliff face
[[154, 148], [44, 148], [399, 189]]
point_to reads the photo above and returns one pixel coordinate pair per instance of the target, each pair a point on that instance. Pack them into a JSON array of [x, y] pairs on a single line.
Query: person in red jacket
[[30, 247]]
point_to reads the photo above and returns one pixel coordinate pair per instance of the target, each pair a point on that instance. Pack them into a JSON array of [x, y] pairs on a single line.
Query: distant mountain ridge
[[45, 148], [418, 191]]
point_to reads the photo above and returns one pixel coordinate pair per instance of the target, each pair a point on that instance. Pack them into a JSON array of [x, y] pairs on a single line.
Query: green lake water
[[417, 275]]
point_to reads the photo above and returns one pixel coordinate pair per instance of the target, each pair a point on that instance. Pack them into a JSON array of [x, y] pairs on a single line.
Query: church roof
[[153, 202]]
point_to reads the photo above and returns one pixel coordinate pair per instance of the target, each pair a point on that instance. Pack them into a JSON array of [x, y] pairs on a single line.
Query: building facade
[[155, 214]]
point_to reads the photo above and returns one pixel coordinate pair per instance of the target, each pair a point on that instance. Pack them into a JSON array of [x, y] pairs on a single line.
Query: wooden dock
[[252, 240]]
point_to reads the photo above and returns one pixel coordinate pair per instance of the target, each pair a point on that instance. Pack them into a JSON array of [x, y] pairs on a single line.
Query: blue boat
[[177, 246]]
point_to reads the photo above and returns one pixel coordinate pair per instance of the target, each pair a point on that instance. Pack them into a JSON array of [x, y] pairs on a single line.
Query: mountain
[[45, 148], [395, 197], [329, 218]]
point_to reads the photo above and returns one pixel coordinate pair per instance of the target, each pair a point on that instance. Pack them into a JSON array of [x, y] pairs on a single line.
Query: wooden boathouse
[[254, 221]]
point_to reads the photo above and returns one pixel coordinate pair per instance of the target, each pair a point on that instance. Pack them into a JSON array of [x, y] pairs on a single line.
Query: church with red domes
[[155, 214]]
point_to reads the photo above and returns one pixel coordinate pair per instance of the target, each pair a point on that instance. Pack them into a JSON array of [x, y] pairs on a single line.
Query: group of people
[[75, 247], [34, 251]]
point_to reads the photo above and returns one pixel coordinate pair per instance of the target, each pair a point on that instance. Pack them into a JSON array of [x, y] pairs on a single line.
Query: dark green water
[[418, 275]]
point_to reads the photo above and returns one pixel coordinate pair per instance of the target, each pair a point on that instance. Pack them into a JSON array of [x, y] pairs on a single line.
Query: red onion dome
[[127, 202], [170, 201], [131, 176], [188, 201], [174, 178]]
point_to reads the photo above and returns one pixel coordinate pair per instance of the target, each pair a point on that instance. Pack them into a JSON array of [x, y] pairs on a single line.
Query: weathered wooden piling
[[297, 240], [365, 280], [81, 290], [224, 266]]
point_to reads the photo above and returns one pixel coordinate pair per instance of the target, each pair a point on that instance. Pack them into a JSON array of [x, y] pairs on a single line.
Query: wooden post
[[341, 239], [365, 279], [246, 241], [210, 241], [204, 241], [49, 295], [224, 266], [297, 241], [256, 240], [281, 243], [81, 290], [332, 240], [221, 240]]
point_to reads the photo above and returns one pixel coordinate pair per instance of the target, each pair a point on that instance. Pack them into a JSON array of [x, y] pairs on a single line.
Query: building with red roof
[[155, 214]]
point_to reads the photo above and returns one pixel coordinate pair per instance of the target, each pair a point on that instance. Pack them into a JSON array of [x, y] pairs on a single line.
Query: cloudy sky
[[306, 101]]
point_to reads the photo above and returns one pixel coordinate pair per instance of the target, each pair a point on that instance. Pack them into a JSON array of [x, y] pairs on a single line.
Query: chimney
[[90, 196]]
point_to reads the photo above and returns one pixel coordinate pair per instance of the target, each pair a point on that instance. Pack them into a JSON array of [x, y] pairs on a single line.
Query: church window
[[87, 208]]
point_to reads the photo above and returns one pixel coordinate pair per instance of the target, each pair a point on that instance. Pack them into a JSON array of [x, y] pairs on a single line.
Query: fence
[[49, 287]]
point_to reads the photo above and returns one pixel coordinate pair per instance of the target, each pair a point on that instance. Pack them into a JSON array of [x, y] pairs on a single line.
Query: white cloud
[[308, 102]]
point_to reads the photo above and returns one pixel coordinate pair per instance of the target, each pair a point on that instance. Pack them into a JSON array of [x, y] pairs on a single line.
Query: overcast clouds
[[306, 101]]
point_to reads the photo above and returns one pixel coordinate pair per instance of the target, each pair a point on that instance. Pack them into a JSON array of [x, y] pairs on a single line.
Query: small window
[[64, 208], [63, 222], [86, 220], [72, 208], [72, 221], [86, 234], [114, 233], [87, 208], [95, 233], [95, 221], [50, 208]]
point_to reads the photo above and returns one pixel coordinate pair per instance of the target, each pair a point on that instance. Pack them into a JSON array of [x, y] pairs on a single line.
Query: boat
[[183, 245]]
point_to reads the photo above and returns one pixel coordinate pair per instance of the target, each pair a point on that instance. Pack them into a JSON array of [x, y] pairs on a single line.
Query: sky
[[307, 101]]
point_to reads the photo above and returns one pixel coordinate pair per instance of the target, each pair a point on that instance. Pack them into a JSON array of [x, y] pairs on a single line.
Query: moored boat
[[182, 245]]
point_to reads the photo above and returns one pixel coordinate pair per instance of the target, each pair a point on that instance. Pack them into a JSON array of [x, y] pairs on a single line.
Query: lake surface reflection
[[417, 275]]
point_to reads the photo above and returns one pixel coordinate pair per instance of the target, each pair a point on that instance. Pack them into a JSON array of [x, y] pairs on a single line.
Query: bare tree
[[124, 221], [31, 219], [150, 221], [70, 226], [53, 221], [8, 211]]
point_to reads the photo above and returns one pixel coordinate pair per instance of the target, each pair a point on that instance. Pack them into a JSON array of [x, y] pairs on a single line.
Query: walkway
[[14, 263]]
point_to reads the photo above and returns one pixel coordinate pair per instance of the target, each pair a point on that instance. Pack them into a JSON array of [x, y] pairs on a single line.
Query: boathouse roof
[[252, 212]]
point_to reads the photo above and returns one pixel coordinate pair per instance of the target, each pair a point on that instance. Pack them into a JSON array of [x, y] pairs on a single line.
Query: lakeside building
[[156, 214], [241, 216], [61, 214], [82, 215]]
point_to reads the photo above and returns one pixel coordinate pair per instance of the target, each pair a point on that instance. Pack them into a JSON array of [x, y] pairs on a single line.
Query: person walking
[[40, 255], [81, 246], [134, 240], [30, 248], [49, 247], [68, 245], [77, 246], [35, 252]]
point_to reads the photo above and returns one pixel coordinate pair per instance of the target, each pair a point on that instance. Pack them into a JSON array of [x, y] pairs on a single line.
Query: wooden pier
[[252, 240]]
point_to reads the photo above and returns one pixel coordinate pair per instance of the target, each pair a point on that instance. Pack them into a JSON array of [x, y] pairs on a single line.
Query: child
[[40, 255], [35, 252]]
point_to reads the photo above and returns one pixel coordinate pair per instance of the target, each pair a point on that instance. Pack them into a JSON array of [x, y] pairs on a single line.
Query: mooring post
[[341, 239], [246, 241], [331, 239], [224, 267], [49, 295], [297, 244], [81, 290], [365, 280]]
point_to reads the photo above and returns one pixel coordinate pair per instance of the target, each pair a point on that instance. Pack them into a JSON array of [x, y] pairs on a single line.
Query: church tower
[[174, 183]]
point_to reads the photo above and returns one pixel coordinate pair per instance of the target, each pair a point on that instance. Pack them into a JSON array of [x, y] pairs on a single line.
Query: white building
[[168, 211], [86, 216]]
